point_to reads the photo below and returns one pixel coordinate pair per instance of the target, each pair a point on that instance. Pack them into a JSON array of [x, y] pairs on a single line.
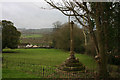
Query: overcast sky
[[30, 15]]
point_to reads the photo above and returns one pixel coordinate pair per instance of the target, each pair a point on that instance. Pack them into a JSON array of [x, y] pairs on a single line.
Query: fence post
[[43, 71]]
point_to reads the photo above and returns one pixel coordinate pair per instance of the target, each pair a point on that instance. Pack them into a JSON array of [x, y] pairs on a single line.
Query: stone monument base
[[72, 64]]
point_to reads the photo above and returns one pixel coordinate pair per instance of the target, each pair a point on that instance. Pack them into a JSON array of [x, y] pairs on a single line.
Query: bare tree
[[57, 25], [95, 15], [80, 10]]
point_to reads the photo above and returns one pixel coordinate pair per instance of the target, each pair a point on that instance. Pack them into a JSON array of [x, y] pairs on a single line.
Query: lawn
[[38, 62], [11, 73]]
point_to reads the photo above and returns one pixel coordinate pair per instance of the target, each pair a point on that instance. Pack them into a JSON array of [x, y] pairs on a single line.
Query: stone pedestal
[[72, 64]]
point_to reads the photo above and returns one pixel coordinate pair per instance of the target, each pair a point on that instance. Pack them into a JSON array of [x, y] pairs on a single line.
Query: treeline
[[61, 39], [35, 31]]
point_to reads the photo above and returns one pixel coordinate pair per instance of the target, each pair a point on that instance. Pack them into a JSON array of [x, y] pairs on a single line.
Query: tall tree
[[10, 35], [56, 26], [96, 16], [113, 34], [0, 46]]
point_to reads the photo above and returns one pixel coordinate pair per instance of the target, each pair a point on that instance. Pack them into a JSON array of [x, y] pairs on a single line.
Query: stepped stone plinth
[[72, 64]]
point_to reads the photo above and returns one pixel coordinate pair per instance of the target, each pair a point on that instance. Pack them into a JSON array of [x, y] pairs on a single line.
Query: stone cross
[[71, 40]]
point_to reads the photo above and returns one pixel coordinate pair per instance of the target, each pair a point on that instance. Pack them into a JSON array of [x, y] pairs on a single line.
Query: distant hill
[[35, 31]]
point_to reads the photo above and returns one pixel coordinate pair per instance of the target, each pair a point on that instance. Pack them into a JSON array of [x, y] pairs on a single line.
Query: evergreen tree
[[10, 35]]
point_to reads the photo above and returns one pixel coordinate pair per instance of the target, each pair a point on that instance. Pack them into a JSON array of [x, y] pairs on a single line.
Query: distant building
[[23, 45], [35, 46], [29, 46]]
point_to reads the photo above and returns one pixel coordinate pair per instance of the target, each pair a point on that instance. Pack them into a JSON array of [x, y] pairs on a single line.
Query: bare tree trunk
[[85, 36], [102, 51], [103, 60]]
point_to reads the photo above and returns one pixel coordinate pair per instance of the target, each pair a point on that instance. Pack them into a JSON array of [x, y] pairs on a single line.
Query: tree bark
[[101, 43]]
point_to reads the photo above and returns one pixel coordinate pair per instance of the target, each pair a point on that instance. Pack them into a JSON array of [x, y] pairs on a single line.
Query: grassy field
[[31, 36], [11, 73], [35, 39], [35, 61]]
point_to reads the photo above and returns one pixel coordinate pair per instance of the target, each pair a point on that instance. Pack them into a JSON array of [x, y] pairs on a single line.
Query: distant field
[[33, 61], [31, 35], [35, 39]]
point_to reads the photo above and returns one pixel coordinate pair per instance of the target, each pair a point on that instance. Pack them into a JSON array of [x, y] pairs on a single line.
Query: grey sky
[[30, 15]]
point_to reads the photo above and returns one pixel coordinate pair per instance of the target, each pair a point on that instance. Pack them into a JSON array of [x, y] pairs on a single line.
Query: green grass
[[50, 57], [32, 61], [11, 73], [32, 36], [88, 61]]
